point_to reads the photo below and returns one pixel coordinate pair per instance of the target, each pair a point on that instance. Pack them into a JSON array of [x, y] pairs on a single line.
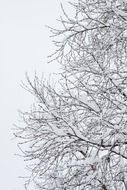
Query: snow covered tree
[[75, 136]]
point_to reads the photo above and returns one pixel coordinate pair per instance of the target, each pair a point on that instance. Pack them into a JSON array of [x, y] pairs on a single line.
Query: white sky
[[24, 46]]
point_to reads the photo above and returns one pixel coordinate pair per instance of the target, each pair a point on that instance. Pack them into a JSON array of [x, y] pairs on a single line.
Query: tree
[[76, 132]]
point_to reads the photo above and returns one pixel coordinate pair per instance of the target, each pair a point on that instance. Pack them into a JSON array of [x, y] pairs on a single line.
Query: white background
[[24, 47]]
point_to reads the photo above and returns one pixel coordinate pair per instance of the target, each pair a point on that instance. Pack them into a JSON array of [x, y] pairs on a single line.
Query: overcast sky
[[24, 47]]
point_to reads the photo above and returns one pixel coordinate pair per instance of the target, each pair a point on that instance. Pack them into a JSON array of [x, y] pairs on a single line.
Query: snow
[[92, 104], [121, 13], [57, 130], [92, 160], [108, 3]]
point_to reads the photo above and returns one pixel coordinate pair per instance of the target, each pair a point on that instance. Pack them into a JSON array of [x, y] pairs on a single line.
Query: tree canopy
[[75, 135]]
